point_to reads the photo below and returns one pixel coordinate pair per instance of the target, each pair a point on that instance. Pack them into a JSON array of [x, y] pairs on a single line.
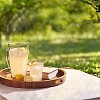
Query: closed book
[[49, 73]]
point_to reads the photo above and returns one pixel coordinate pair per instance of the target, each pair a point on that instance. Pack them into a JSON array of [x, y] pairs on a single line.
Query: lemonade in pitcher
[[18, 59]]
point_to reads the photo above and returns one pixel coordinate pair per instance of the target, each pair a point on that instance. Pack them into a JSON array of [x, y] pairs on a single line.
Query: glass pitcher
[[17, 57]]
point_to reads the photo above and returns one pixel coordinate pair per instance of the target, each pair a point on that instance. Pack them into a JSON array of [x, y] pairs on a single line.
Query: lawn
[[79, 51]]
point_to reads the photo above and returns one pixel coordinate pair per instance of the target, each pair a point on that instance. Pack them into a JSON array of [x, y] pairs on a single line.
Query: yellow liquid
[[36, 72], [18, 61]]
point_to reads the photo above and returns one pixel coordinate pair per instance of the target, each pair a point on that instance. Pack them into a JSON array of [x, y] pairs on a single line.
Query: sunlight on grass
[[90, 54]]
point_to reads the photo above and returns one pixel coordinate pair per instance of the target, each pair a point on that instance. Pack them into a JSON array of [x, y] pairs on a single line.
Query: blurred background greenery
[[65, 33]]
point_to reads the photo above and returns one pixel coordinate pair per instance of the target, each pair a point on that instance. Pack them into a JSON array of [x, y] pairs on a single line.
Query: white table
[[78, 86]]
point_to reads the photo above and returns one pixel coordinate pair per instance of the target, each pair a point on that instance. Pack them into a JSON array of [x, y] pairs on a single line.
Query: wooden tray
[[5, 79]]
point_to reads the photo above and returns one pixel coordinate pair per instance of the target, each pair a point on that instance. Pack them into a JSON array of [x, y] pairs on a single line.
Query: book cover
[[49, 73]]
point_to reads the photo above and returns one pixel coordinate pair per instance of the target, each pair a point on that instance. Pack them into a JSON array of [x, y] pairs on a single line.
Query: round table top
[[78, 86]]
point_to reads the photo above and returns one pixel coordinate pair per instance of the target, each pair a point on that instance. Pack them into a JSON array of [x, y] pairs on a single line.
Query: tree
[[94, 4], [69, 16], [10, 11]]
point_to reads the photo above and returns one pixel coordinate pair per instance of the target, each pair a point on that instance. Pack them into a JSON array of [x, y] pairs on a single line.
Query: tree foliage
[[95, 4], [69, 16]]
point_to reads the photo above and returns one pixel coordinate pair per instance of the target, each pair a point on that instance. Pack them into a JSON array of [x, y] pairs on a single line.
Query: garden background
[[64, 33]]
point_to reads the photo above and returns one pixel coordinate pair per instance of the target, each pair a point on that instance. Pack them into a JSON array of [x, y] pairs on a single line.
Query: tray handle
[[59, 81]]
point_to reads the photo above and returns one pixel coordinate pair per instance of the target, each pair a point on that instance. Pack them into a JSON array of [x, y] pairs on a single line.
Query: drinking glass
[[18, 57], [36, 70]]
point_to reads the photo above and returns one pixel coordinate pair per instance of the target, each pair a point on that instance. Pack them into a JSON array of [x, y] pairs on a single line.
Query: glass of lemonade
[[18, 57], [36, 69]]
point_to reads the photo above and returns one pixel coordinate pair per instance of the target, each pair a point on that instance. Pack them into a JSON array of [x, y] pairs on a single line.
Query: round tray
[[5, 79]]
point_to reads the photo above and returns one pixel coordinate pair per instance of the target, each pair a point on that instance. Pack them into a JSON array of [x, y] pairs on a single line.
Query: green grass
[[81, 52]]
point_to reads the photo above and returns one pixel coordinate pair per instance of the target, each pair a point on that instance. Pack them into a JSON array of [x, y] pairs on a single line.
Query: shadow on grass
[[45, 47]]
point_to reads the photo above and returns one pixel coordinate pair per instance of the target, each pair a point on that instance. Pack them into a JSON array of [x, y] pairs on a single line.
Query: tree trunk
[[0, 39], [8, 32]]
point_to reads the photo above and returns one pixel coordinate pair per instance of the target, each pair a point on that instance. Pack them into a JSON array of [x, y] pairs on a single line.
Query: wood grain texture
[[5, 79]]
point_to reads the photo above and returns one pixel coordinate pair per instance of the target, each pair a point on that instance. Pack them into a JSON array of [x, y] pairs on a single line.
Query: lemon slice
[[33, 63], [22, 49]]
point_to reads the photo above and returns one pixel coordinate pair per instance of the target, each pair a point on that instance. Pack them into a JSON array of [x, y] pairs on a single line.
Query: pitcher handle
[[7, 58]]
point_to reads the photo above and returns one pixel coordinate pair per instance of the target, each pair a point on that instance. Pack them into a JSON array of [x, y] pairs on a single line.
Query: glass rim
[[18, 44], [12, 43]]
